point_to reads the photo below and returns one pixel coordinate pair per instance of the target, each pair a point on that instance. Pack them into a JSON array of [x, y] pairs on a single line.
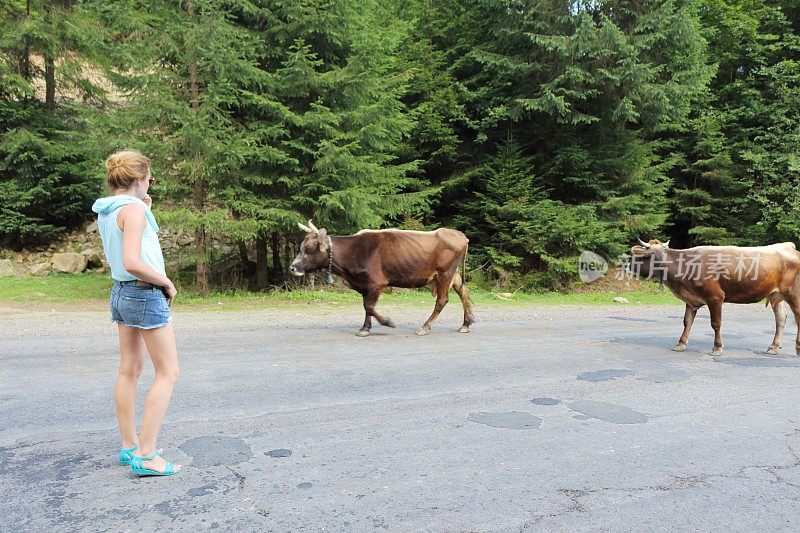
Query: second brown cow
[[712, 275]]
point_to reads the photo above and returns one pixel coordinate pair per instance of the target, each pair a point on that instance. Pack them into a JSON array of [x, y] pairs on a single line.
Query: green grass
[[69, 289], [57, 288]]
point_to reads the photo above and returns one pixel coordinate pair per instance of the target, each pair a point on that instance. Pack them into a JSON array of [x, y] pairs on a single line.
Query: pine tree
[[588, 90], [266, 113], [739, 183], [330, 122], [47, 175], [705, 199], [183, 72], [433, 102], [519, 228]]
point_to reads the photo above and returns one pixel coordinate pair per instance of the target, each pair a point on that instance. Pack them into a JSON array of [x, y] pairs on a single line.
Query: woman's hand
[[171, 292], [147, 200]]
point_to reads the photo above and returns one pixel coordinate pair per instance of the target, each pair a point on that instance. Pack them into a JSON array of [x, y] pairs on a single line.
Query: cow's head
[[313, 254], [647, 255]]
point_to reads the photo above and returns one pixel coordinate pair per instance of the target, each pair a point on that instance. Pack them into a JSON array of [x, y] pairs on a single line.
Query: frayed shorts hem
[[142, 327]]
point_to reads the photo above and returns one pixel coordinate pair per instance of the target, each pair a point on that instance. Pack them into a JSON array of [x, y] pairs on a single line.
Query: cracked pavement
[[540, 419]]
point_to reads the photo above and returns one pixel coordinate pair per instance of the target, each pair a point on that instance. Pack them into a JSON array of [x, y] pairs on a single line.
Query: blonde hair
[[125, 167]]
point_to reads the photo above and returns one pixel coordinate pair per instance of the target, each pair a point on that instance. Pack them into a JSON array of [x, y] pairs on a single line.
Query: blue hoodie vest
[[107, 209]]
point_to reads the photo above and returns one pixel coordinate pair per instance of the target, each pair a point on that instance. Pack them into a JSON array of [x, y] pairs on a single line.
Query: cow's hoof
[[389, 324], [679, 348], [362, 333], [716, 352], [423, 331], [772, 350], [463, 329]]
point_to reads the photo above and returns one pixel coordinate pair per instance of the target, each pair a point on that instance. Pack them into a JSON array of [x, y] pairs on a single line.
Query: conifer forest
[[539, 128]]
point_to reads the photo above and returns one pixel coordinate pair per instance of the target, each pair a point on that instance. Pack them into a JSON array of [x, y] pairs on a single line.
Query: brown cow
[[711, 275], [372, 260]]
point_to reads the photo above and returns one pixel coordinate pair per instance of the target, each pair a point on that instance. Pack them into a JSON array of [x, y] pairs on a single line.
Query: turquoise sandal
[[137, 466], [126, 454]]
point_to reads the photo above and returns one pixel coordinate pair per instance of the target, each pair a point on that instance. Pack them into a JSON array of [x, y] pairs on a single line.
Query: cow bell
[[329, 278]]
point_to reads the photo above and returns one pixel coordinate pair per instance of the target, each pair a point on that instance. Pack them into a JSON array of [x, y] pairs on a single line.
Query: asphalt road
[[540, 419]]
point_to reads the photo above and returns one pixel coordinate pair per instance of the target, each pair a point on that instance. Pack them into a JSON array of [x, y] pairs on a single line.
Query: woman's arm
[[131, 221]]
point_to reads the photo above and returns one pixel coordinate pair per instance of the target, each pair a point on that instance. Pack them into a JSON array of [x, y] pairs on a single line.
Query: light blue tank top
[[107, 210]]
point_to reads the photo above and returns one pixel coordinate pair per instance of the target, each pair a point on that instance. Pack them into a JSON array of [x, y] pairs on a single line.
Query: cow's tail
[[464, 264]]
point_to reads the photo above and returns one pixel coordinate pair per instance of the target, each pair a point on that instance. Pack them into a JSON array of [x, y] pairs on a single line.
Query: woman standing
[[140, 305]]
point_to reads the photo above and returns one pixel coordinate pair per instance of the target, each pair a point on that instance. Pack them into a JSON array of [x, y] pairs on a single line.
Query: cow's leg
[[370, 299], [794, 303], [688, 320], [715, 307], [775, 300], [365, 329], [442, 288], [463, 293]]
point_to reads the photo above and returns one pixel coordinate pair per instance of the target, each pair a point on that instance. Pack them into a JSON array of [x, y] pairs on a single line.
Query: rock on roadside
[[40, 269], [70, 262], [7, 268]]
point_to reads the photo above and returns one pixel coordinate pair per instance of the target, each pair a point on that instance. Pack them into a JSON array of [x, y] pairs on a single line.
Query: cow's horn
[[312, 226], [666, 244], [304, 227], [645, 244]]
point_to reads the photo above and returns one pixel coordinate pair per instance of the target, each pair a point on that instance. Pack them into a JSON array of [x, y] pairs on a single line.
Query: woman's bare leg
[[131, 362], [164, 354]]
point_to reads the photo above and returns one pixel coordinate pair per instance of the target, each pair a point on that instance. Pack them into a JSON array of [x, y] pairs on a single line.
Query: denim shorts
[[139, 307]]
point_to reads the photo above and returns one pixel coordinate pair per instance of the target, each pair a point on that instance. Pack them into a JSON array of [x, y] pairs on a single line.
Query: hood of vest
[[112, 203]]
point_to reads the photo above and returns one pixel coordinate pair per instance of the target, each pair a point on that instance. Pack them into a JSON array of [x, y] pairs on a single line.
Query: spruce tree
[[330, 122], [48, 176], [757, 46], [264, 114], [588, 91], [183, 70]]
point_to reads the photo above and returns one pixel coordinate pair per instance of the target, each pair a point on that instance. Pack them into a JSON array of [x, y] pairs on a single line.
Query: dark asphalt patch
[[279, 453], [545, 401], [201, 491], [216, 451], [508, 420], [609, 412]]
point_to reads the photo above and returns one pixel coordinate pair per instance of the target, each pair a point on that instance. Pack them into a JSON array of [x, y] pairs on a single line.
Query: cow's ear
[[322, 239]]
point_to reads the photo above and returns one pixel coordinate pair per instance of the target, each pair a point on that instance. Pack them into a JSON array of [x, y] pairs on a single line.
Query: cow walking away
[[713, 275], [371, 260]]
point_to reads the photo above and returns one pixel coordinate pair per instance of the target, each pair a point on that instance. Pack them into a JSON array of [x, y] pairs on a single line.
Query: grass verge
[[70, 289]]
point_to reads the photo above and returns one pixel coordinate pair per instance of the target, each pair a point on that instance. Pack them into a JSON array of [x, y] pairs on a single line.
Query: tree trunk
[[287, 258], [243, 257], [201, 274], [25, 60], [262, 268], [277, 277], [49, 81], [201, 240]]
